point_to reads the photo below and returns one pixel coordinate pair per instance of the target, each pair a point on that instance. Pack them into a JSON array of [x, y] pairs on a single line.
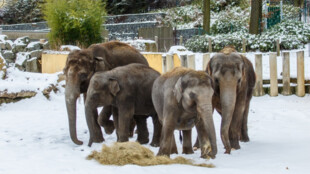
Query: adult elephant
[[183, 99], [80, 67], [234, 80], [128, 90]]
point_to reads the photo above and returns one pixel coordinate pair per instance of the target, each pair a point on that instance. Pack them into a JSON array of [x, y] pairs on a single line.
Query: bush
[[74, 22], [231, 20], [291, 34], [22, 11]]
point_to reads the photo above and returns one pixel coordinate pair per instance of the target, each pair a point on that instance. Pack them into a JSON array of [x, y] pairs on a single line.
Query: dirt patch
[[133, 153]]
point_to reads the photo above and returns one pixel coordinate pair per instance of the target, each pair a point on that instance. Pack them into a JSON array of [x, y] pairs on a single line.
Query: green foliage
[[76, 22], [291, 34], [231, 20], [218, 6], [22, 11], [291, 12]]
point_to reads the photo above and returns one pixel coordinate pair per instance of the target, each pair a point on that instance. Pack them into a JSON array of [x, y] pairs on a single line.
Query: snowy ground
[[34, 135]]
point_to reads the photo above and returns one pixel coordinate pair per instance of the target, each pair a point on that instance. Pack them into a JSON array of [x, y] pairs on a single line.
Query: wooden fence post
[[286, 74], [273, 75], [169, 62], [205, 61], [278, 47], [181, 40], [210, 44], [183, 60], [191, 61], [156, 43], [300, 74], [243, 45], [164, 62], [259, 91]]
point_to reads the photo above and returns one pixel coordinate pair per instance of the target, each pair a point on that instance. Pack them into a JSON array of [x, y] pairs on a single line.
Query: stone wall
[[26, 26], [134, 18]]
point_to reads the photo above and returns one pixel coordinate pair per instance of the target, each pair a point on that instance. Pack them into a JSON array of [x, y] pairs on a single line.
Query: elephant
[[183, 99], [234, 80], [128, 90], [80, 67]]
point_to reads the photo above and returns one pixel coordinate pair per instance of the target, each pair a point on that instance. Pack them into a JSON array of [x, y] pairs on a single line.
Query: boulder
[[2, 45], [33, 65], [46, 46], [2, 67], [21, 60], [36, 53], [8, 45], [8, 56], [34, 46], [22, 41], [18, 48]]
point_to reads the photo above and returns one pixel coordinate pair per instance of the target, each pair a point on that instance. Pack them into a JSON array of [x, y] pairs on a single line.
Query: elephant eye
[[216, 80], [83, 76], [239, 80]]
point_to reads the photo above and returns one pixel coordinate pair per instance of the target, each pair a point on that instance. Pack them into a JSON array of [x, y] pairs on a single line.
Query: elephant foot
[[245, 138], [143, 140], [155, 143], [235, 144], [196, 145], [208, 156], [132, 128], [95, 140], [188, 150], [174, 150], [227, 151], [108, 126], [163, 153]]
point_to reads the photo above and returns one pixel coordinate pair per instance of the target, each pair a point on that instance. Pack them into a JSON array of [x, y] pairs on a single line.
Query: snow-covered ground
[[34, 135]]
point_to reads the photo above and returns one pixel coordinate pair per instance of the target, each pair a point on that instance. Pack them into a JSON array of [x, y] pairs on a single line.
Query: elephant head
[[194, 92], [80, 66], [229, 74]]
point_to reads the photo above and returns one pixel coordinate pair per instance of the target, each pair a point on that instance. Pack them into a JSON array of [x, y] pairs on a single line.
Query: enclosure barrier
[[161, 62]]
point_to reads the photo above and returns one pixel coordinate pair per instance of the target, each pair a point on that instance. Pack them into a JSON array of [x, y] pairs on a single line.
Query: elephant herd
[[116, 76]]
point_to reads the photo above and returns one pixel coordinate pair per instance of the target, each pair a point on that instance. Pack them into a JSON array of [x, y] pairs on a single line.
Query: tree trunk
[[298, 3], [206, 16], [256, 16]]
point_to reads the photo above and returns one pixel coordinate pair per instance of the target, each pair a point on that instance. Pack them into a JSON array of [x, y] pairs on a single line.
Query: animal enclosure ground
[[34, 138]]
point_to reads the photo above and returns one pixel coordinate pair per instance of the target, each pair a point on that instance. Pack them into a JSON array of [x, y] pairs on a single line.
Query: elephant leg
[[132, 127], [244, 129], [167, 136], [156, 131], [143, 133], [236, 123], [104, 120], [187, 142], [115, 118], [196, 145], [174, 149], [125, 114]]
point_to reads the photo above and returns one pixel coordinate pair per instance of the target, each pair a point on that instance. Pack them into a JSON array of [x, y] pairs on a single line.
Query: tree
[[256, 16], [75, 22], [298, 3], [22, 11], [206, 15]]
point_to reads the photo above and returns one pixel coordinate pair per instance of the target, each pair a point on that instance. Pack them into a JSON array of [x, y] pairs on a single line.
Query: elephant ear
[[113, 86], [178, 90], [209, 68], [102, 64]]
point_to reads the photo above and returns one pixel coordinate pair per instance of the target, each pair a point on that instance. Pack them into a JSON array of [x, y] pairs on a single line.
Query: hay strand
[[133, 153]]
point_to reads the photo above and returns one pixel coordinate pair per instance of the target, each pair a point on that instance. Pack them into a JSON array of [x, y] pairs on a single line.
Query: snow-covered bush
[[74, 22], [231, 20], [21, 11], [291, 12], [291, 34]]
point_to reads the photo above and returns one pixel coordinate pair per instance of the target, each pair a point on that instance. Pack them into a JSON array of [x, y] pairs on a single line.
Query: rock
[[22, 41], [36, 53], [18, 48], [34, 46], [46, 92], [2, 46], [8, 56], [46, 46], [8, 45], [69, 48], [61, 77], [2, 68], [33, 65], [21, 60]]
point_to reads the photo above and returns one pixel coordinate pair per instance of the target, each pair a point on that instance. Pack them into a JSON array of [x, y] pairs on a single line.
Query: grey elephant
[[128, 90], [80, 67], [234, 79], [183, 99]]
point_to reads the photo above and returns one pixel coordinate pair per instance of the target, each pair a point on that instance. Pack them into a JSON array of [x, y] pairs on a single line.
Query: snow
[[34, 135], [69, 47]]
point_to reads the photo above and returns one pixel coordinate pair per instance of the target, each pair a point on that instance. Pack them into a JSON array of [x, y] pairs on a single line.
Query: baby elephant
[[183, 99], [128, 90]]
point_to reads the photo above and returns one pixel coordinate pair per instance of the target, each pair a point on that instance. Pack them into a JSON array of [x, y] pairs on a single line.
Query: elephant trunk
[[71, 95], [205, 111], [228, 100]]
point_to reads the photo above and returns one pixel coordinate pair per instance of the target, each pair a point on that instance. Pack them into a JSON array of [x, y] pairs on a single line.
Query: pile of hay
[[133, 153]]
